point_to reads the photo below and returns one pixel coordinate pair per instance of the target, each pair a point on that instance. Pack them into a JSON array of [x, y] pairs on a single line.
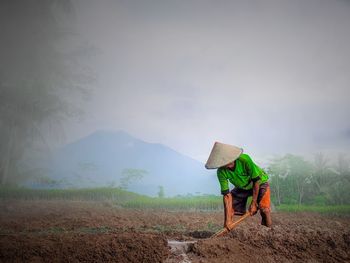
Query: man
[[248, 178]]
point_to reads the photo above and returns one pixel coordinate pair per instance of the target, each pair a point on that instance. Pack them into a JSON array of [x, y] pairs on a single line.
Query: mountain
[[102, 159]]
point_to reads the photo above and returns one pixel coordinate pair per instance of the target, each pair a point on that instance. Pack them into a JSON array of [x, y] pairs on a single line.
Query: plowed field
[[54, 231]]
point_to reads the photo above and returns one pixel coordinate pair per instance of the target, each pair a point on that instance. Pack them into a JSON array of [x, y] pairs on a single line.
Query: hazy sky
[[269, 76]]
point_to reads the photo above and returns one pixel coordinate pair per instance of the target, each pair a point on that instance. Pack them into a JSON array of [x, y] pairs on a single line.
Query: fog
[[109, 110], [271, 77]]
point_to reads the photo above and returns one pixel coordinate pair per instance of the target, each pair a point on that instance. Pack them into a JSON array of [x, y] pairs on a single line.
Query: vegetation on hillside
[[295, 181]]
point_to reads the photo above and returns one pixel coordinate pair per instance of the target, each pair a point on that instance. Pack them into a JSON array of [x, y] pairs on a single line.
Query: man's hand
[[253, 208], [229, 225]]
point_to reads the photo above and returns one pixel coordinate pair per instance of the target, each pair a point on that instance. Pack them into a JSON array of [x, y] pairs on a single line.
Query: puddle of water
[[179, 250], [180, 246]]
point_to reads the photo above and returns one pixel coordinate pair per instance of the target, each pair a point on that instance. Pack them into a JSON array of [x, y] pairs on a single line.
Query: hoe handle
[[225, 230]]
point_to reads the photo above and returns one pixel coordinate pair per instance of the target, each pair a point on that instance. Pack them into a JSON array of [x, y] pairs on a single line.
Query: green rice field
[[131, 200]]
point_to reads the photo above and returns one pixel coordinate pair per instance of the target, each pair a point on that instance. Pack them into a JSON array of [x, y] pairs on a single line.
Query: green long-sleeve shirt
[[242, 175]]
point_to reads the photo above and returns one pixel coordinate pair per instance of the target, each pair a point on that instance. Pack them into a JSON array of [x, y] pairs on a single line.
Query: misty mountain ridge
[[103, 157]]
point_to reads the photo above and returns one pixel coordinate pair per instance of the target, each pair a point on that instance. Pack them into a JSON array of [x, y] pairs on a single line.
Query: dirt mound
[[222, 250], [278, 244], [94, 232], [122, 247], [200, 234]]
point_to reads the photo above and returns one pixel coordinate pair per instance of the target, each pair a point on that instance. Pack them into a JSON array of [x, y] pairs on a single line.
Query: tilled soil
[[72, 247], [55, 231], [254, 243]]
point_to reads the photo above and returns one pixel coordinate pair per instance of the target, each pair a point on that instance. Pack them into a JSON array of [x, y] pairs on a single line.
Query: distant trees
[[278, 171], [41, 76], [161, 193], [297, 181], [131, 175]]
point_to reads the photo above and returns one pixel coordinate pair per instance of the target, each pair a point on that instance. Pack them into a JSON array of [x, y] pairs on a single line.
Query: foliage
[[295, 181], [161, 193], [116, 195], [85, 194], [130, 175], [324, 209], [131, 200], [40, 76]]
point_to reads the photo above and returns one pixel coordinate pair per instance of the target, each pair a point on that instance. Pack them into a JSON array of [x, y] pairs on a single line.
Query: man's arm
[[228, 210], [253, 208], [227, 199]]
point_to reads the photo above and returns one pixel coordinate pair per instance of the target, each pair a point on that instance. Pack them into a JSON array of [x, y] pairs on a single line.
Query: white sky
[[268, 76]]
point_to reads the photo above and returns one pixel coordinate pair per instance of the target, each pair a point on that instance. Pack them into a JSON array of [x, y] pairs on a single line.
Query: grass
[[114, 195], [131, 200], [84, 194], [323, 209], [177, 203]]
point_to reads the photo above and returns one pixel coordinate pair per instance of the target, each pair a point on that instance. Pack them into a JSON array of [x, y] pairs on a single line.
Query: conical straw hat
[[222, 154]]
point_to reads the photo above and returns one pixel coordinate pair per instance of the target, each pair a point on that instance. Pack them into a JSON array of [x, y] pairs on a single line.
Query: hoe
[[224, 231], [180, 248]]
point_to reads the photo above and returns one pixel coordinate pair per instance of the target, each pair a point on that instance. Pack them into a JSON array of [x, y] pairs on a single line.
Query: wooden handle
[[234, 224]]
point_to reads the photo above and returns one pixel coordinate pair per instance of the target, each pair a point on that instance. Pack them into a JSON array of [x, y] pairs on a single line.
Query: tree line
[[43, 79], [295, 180]]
